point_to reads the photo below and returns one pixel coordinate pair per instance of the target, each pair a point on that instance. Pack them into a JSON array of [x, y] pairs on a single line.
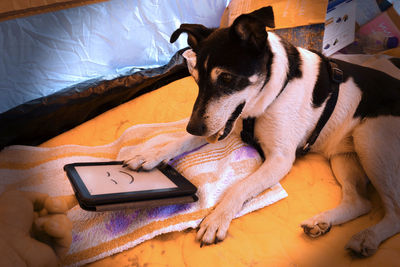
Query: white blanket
[[212, 168]]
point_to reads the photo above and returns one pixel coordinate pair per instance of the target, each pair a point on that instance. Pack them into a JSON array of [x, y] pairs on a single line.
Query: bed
[[267, 237]]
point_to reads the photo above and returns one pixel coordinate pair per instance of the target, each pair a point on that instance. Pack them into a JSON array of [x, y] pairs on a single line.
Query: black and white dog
[[295, 100]]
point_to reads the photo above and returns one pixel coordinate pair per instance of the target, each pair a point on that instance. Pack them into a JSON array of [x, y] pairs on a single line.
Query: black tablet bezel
[[142, 203], [184, 187]]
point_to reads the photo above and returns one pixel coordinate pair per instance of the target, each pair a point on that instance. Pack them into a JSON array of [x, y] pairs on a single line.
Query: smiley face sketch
[[123, 172], [111, 179]]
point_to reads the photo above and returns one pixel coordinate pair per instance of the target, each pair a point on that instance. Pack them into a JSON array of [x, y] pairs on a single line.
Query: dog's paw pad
[[363, 244], [317, 229]]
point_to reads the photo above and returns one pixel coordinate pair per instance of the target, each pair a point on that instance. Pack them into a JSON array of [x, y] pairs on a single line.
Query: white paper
[[339, 27]]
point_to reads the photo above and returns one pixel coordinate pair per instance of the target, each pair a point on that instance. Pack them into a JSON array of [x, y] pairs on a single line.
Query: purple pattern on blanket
[[166, 211], [76, 237], [173, 162], [120, 221], [245, 152]]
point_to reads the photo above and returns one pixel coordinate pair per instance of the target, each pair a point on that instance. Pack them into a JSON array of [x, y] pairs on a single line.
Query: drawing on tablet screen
[[131, 177], [109, 179]]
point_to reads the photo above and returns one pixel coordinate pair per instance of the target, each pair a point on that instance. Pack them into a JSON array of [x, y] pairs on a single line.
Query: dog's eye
[[225, 78]]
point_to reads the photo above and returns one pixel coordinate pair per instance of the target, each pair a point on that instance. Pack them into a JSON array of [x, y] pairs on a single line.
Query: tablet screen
[[111, 179]]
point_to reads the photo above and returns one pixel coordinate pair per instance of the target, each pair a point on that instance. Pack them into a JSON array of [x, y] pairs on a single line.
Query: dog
[[287, 101]]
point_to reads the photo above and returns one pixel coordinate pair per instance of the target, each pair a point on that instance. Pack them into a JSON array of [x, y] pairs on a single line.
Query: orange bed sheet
[[270, 236]]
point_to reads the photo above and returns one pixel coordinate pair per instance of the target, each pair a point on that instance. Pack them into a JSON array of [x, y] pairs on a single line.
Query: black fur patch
[[268, 67], [229, 54], [322, 87], [380, 91], [247, 135], [220, 51], [294, 62]]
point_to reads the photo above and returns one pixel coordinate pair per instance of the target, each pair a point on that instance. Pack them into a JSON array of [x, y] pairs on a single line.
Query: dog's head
[[229, 66]]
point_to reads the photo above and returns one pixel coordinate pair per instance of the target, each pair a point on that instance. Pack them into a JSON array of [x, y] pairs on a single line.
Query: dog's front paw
[[363, 244], [315, 228], [145, 162], [214, 227]]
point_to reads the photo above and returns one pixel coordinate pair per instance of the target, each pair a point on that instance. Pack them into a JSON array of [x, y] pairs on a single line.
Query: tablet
[[100, 186]]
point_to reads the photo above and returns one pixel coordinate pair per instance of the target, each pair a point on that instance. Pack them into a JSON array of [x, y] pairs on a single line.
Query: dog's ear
[[190, 57], [250, 28], [196, 33], [266, 15]]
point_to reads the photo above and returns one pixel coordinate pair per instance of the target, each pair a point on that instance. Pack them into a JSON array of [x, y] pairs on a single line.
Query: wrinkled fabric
[[41, 119], [45, 53]]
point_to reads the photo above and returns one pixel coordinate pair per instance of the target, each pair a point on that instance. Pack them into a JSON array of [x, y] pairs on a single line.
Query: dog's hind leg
[[377, 143], [351, 176]]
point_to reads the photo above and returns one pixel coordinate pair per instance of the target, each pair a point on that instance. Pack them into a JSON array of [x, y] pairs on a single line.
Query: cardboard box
[[288, 13], [21, 8], [387, 22]]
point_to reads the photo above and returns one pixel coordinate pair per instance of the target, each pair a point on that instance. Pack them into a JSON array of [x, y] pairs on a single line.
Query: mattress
[[271, 236]]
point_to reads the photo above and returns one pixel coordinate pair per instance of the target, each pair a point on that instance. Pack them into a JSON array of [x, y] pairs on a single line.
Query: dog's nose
[[196, 128]]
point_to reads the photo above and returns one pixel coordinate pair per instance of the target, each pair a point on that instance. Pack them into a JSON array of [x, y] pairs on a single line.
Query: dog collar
[[336, 80]]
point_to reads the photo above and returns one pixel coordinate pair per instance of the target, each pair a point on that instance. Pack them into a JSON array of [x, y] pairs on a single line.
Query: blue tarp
[[45, 53]]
